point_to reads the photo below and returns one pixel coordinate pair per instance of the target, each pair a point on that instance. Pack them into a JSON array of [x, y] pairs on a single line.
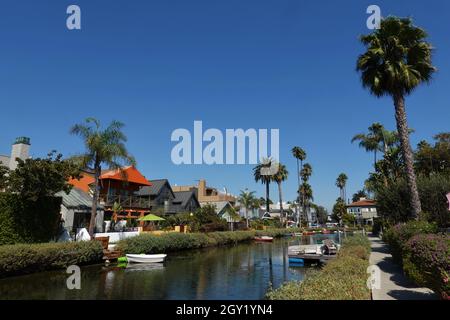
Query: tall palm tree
[[279, 177], [306, 196], [247, 199], [378, 139], [103, 146], [264, 179], [300, 155], [397, 60], [341, 182], [305, 174], [371, 141]]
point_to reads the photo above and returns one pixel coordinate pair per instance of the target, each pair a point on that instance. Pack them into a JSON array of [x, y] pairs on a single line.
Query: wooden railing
[[127, 201]]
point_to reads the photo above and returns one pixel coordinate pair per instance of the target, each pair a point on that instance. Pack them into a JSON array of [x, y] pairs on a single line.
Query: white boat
[[263, 239], [146, 258]]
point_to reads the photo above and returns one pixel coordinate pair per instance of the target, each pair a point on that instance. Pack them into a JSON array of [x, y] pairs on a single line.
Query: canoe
[[263, 239], [296, 260], [146, 258]]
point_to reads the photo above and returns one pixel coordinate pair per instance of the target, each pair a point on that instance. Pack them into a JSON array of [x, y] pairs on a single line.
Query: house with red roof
[[118, 187], [364, 210]]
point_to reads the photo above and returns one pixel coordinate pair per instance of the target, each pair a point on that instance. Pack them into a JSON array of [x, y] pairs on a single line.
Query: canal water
[[241, 272]]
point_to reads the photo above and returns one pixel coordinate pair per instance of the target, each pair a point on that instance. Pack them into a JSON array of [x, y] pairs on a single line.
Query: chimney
[[202, 188], [21, 150]]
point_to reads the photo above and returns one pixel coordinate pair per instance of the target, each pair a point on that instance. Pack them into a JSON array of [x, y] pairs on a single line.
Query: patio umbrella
[[151, 217]]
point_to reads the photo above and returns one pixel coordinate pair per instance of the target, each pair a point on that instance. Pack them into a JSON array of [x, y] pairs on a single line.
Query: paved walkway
[[394, 285]]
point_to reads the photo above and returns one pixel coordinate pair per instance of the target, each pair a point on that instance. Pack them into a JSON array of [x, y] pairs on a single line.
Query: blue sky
[[160, 65]]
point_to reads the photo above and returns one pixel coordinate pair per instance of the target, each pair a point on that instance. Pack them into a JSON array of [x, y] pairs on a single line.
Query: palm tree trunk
[[298, 195], [94, 201], [375, 161], [280, 195], [267, 197], [402, 127], [246, 216], [345, 195]]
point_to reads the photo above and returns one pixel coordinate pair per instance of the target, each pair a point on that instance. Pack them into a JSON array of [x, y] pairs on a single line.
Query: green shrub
[[27, 221], [393, 201], [20, 259], [426, 261], [398, 236], [148, 243], [344, 278], [379, 225]]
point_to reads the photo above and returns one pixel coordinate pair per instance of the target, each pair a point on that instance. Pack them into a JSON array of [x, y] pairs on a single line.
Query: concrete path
[[394, 285]]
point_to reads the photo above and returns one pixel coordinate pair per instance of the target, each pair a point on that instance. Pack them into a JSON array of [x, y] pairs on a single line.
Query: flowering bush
[[426, 260], [398, 236]]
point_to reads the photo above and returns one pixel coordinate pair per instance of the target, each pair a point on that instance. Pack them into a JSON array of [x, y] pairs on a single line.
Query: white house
[[364, 210], [76, 210]]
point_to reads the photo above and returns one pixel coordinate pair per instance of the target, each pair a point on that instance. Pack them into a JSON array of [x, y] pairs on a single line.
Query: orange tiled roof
[[83, 183], [132, 174], [363, 203]]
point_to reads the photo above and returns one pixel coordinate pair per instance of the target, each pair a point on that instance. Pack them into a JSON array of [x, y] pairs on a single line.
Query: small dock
[[109, 252], [311, 252]]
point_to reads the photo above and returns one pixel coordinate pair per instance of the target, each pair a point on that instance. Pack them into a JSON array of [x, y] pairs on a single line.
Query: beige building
[[20, 149], [206, 194]]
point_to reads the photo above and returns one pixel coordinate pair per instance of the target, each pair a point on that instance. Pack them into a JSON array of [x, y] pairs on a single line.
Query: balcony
[[126, 202]]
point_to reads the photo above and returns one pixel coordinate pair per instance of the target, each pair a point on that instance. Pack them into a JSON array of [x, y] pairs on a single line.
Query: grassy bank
[[22, 259], [147, 243], [341, 279]]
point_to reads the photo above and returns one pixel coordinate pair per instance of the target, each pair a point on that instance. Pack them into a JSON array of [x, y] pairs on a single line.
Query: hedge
[[426, 261], [26, 221], [169, 242], [22, 259], [397, 236], [344, 278]]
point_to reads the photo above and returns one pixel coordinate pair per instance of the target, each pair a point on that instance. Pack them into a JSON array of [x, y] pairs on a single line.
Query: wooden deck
[[312, 257]]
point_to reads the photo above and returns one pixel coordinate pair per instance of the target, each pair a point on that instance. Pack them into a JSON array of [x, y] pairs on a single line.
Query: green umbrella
[[151, 217]]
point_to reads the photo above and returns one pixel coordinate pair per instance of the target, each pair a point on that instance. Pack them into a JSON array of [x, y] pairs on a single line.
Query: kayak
[[146, 258]]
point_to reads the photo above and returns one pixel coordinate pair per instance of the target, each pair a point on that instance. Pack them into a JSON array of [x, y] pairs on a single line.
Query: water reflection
[[241, 272]]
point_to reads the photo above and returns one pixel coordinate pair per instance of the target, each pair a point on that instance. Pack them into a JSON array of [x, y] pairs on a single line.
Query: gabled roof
[[131, 173], [182, 197], [83, 183], [363, 203], [155, 188], [77, 199], [220, 205]]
